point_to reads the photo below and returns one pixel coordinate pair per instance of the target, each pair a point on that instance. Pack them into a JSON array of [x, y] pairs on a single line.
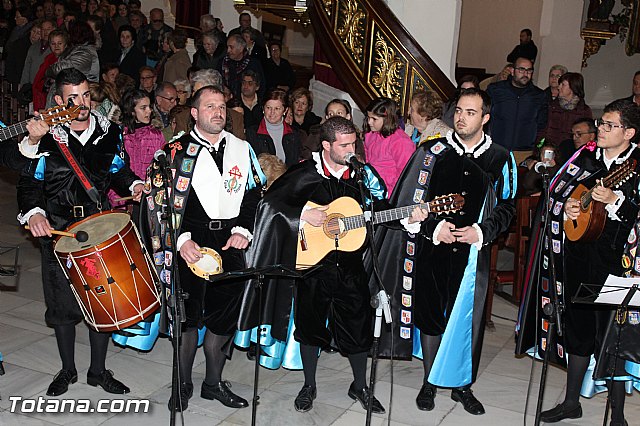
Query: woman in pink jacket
[[141, 138], [386, 145]]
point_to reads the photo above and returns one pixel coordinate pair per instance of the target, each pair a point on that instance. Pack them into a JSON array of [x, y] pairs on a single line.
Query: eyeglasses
[[147, 77], [577, 135], [524, 70], [607, 126], [168, 99], [182, 92]]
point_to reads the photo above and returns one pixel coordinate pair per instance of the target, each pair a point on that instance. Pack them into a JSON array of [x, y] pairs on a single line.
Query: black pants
[[343, 299]]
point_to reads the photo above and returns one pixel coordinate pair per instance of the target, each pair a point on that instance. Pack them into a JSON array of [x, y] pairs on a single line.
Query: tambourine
[[209, 264]]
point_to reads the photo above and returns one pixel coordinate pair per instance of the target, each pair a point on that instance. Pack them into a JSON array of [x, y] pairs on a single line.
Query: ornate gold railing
[[373, 53]]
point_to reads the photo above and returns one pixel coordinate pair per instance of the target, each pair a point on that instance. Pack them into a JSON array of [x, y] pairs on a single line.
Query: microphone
[[161, 158], [541, 167], [351, 158]]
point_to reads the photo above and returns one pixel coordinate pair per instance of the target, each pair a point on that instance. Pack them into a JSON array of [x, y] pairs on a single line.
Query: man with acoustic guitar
[[591, 260], [51, 197], [333, 303]]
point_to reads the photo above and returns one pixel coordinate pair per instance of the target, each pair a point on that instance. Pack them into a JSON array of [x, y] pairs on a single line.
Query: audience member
[[148, 81], [254, 50], [178, 63], [136, 20], [583, 131], [566, 108], [245, 22], [131, 58], [58, 41], [387, 146], [37, 52], [518, 111], [301, 104], [635, 89], [151, 35], [82, 56], [141, 139], [277, 70], [17, 45], [555, 72], [251, 103], [180, 121], [526, 49], [448, 108], [183, 88], [424, 124], [122, 15], [166, 98], [58, 13], [531, 182], [236, 62], [109, 72], [272, 135], [165, 54], [206, 56], [105, 99]]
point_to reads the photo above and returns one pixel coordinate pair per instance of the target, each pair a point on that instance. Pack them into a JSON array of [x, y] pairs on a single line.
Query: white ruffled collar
[[618, 160], [477, 150]]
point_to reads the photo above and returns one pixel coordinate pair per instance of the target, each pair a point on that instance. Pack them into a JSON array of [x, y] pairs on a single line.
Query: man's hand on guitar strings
[[572, 208], [37, 128], [603, 194], [316, 216]]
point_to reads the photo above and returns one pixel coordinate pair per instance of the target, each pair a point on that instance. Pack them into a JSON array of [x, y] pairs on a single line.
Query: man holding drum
[[52, 197]]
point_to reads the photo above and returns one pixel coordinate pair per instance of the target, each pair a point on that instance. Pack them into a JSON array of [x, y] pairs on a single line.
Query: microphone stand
[[174, 302], [380, 302], [555, 308]]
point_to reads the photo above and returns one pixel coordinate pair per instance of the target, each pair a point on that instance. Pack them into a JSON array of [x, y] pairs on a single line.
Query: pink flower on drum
[[91, 271]]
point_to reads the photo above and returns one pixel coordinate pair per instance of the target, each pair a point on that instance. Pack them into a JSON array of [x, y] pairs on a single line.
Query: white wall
[[434, 25], [609, 73], [489, 29]]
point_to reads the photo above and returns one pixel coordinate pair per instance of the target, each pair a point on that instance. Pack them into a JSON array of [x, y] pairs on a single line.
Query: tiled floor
[[31, 360]]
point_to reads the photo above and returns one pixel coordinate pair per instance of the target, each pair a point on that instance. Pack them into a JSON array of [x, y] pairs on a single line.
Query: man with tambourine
[[67, 182], [214, 191]]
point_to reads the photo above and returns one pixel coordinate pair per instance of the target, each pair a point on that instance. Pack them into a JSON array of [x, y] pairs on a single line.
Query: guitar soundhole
[[332, 226]]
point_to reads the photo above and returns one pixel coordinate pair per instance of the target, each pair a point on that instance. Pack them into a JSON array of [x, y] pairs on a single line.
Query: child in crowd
[[387, 147]]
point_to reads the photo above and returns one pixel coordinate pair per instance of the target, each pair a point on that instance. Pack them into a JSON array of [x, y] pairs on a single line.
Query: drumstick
[[130, 197], [81, 236]]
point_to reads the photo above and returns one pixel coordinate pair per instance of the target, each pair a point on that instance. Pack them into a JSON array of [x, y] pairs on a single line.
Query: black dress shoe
[[561, 412], [222, 393], [61, 382], [304, 400], [362, 395], [425, 399], [186, 392], [469, 402], [622, 423], [107, 382]]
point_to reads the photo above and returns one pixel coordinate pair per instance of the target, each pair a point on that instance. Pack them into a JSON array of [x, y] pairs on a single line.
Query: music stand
[[261, 272], [616, 292]]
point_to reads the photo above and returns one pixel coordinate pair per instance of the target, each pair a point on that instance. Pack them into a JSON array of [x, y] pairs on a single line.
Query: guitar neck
[[13, 130], [358, 221]]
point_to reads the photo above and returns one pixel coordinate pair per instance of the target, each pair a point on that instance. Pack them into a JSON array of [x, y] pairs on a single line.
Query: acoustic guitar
[[344, 228], [52, 116], [589, 224]]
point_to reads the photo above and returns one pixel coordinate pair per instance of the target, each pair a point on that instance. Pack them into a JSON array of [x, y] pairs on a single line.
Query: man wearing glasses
[[591, 262], [166, 98], [518, 111], [154, 32], [582, 131]]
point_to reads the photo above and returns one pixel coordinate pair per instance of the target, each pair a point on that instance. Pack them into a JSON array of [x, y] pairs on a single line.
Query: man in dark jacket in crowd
[[526, 49], [518, 111]]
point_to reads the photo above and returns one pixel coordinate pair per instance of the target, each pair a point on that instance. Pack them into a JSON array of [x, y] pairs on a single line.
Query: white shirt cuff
[[412, 228], [302, 222], [135, 182], [242, 231], [478, 244], [435, 239], [24, 218], [28, 150], [183, 238], [612, 209]]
